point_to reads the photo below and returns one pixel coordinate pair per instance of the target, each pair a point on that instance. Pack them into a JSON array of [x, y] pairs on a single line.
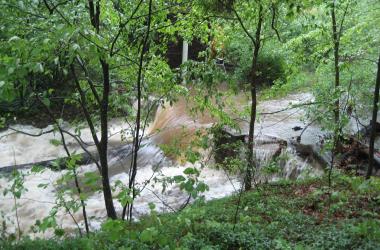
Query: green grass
[[284, 215]]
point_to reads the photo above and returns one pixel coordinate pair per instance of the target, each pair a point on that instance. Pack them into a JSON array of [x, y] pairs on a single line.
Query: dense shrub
[[271, 66]]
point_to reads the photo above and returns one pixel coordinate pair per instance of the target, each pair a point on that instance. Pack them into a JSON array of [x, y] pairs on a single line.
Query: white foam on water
[[18, 148], [169, 122]]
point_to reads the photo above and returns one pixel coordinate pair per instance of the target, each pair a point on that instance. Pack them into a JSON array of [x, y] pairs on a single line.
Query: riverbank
[[284, 215]]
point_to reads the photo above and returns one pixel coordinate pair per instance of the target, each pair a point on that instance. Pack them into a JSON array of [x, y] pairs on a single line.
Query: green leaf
[[202, 187], [43, 185], [148, 235], [37, 169], [189, 171], [39, 68], [179, 178], [114, 229], [46, 101], [55, 142], [59, 232], [11, 70], [13, 38], [152, 206]]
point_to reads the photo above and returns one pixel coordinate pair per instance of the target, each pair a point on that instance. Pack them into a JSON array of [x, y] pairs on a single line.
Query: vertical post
[[185, 55], [185, 51]]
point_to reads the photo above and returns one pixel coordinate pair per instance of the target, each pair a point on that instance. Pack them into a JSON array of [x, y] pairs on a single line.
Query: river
[[36, 202]]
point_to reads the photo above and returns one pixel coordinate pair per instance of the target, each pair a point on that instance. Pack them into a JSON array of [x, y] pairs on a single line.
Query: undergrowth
[[284, 215]]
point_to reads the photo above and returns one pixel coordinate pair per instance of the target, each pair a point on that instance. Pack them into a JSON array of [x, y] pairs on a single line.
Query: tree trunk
[[137, 139], [102, 145], [337, 129], [374, 119], [251, 163], [336, 60], [103, 157]]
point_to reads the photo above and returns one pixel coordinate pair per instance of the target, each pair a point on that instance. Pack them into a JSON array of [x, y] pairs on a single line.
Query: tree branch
[[90, 82], [84, 108], [291, 107], [122, 26], [274, 22]]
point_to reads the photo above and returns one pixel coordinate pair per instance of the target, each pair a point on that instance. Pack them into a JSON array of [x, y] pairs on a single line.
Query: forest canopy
[[189, 124]]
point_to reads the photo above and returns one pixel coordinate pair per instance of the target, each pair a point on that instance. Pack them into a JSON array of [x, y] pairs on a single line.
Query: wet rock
[[366, 130], [227, 144], [297, 128], [230, 144], [312, 152]]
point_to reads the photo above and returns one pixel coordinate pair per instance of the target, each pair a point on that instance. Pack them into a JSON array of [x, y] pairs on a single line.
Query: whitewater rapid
[[36, 202]]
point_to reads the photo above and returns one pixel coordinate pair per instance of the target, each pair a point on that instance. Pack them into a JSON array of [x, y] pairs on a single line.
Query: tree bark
[[257, 44], [374, 119], [336, 41], [337, 129], [103, 147]]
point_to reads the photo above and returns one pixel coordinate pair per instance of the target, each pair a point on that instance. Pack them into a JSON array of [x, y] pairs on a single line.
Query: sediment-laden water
[[170, 121]]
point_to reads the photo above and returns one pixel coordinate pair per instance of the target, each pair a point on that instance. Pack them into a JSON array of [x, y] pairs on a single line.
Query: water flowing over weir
[[169, 123]]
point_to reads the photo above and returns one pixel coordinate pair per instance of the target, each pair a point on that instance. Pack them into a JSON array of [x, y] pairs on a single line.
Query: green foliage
[[114, 229], [41, 50], [124, 194], [189, 182], [314, 47], [367, 228], [271, 64], [275, 216], [217, 6], [17, 188], [271, 168]]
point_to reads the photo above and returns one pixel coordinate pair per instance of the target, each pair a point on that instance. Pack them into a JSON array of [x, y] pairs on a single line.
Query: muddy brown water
[[170, 122]]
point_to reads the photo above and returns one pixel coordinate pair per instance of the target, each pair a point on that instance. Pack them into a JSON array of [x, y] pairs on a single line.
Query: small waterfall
[[174, 122], [274, 153], [170, 123]]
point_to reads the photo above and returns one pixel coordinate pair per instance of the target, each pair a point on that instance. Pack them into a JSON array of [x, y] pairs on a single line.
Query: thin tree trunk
[[76, 183], [336, 40], [373, 125], [136, 140], [102, 145], [63, 140], [103, 157], [251, 163]]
